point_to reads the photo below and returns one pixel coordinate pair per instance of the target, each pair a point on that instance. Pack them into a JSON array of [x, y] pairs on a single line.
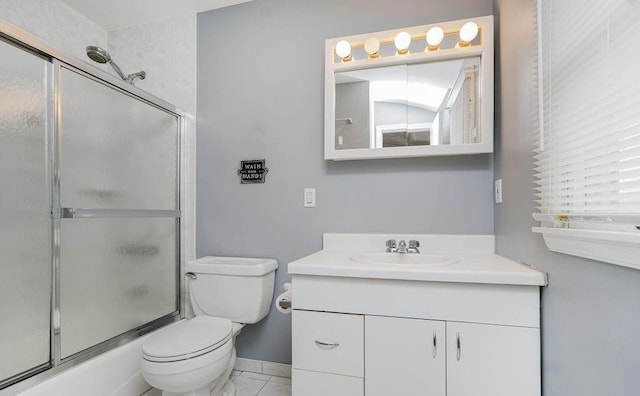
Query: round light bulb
[[403, 40], [468, 32], [343, 50], [372, 46], [434, 37]]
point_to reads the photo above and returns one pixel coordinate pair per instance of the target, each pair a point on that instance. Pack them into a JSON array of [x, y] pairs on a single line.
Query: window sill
[[620, 248]]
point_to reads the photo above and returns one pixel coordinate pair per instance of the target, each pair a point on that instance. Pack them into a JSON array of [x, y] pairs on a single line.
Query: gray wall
[[260, 95], [591, 310]]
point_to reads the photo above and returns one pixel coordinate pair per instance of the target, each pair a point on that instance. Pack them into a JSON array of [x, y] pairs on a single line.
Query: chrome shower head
[[97, 54]]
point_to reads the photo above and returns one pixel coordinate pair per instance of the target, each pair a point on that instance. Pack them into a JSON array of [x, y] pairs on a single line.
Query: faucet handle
[[391, 245], [413, 246]]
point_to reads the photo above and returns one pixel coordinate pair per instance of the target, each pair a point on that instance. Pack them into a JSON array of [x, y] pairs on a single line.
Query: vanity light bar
[[402, 41]]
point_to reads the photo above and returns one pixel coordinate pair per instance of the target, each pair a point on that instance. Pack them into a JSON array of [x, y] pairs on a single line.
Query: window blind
[[587, 152]]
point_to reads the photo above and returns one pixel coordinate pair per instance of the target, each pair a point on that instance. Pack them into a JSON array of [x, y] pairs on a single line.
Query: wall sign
[[252, 171]]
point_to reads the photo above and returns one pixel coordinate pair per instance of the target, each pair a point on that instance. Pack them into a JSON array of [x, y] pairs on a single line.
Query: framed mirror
[[385, 99]]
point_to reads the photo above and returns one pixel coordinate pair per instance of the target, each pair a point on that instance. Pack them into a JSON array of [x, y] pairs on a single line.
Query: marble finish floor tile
[[252, 384], [281, 380], [275, 389]]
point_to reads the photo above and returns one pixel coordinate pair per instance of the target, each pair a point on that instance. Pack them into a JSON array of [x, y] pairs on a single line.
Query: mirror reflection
[[425, 104]]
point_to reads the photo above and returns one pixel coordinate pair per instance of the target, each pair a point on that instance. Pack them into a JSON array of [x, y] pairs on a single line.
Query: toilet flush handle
[[191, 275]]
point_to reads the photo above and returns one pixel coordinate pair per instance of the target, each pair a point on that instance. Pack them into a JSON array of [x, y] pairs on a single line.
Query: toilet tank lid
[[238, 266]]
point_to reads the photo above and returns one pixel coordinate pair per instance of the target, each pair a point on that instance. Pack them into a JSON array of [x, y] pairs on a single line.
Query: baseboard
[[263, 367]]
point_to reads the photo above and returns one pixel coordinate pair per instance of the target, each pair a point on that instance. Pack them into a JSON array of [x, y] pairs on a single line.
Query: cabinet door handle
[[327, 345], [458, 348], [435, 345]]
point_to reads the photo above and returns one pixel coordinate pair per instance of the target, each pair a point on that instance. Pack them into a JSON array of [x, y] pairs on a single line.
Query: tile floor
[[253, 384]]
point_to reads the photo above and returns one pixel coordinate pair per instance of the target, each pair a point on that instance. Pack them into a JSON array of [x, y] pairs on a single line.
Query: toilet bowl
[[195, 357], [186, 358]]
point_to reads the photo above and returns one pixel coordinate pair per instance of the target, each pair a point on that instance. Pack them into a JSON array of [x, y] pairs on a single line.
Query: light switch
[[309, 197], [498, 191]]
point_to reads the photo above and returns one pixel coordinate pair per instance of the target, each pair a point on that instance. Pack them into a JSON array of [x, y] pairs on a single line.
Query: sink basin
[[403, 259]]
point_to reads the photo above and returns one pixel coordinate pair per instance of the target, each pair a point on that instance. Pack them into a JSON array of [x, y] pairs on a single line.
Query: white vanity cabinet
[[402, 356], [468, 328], [357, 337]]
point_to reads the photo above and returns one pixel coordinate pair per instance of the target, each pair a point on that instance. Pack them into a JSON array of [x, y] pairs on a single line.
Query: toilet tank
[[240, 289]]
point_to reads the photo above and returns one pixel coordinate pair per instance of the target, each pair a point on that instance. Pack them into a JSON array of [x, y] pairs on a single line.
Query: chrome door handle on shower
[[327, 345], [83, 213]]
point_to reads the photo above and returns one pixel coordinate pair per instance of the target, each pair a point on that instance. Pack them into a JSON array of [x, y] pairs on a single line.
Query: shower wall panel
[[115, 275], [117, 152], [25, 200], [90, 250], [119, 164]]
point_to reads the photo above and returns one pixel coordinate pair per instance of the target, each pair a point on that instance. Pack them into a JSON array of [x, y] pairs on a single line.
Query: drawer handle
[[458, 347], [434, 353], [327, 345]]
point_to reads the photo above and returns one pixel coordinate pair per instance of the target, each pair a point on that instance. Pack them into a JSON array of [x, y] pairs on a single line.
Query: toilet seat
[[216, 358], [189, 339]]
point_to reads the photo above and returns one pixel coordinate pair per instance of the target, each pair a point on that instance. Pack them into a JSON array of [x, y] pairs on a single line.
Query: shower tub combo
[[90, 254]]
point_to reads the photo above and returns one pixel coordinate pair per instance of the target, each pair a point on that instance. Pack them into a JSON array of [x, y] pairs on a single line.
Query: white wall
[[56, 23], [166, 50]]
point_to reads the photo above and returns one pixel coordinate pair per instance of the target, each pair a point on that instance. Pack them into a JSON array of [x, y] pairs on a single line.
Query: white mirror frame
[[484, 50]]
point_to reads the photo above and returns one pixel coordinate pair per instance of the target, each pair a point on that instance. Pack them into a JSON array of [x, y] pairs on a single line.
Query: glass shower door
[[119, 249], [25, 204]]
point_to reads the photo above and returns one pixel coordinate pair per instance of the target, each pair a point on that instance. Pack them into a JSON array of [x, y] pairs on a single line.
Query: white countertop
[[471, 266]]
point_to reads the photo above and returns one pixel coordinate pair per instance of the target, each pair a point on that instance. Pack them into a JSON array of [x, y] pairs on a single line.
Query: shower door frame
[[57, 60]]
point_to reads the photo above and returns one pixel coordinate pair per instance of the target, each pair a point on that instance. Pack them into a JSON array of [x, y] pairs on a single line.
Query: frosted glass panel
[[115, 275], [25, 241], [117, 152]]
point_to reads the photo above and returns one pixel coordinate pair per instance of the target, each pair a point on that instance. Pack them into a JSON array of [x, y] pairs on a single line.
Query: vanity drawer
[[310, 383], [328, 342]]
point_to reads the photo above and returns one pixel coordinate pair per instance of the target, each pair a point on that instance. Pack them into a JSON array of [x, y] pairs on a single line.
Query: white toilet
[[195, 357]]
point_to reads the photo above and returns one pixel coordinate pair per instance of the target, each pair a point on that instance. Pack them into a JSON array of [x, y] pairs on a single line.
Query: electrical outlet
[[498, 191]]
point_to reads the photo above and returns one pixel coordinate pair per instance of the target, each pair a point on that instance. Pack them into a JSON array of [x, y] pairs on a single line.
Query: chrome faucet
[[401, 247]]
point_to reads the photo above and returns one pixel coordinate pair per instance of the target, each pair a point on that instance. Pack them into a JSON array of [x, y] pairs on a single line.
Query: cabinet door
[[312, 383], [404, 357], [491, 360]]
